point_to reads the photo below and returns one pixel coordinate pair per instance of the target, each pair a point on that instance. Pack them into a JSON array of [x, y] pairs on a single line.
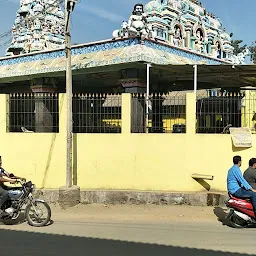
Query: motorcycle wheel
[[12, 220], [237, 222], [38, 213]]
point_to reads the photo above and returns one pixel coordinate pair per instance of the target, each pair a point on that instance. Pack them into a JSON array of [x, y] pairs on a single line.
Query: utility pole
[[69, 7]]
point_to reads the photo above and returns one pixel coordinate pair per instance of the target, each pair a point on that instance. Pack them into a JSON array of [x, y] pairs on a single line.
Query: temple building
[[173, 36], [163, 32], [168, 68]]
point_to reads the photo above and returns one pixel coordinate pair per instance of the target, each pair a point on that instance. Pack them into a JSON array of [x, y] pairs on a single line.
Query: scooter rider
[[5, 177], [237, 185], [250, 173]]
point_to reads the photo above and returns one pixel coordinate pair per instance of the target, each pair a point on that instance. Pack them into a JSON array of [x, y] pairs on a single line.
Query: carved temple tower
[[187, 24], [39, 25]]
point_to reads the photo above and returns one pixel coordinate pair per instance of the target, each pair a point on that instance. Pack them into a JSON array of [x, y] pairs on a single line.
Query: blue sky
[[95, 20]]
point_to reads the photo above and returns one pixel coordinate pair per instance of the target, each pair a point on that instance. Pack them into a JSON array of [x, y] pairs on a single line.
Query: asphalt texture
[[123, 231]]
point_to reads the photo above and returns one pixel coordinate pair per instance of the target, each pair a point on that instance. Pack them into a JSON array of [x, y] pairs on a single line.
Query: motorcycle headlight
[[33, 188]]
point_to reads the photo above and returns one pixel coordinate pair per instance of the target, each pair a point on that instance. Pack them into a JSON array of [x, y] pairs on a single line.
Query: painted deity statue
[[174, 3], [137, 23], [199, 45], [218, 50], [123, 32], [177, 38], [37, 24]]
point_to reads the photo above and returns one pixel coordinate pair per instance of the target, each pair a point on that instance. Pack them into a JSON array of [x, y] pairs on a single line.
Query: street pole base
[[69, 197]]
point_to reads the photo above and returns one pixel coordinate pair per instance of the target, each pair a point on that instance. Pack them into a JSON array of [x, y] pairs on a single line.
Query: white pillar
[[195, 79], [147, 96]]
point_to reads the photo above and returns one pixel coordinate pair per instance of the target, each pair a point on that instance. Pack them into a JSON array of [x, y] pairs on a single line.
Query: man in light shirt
[[237, 185]]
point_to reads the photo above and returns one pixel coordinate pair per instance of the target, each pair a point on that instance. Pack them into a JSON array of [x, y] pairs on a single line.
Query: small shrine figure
[[199, 44], [218, 50], [177, 38], [61, 30], [174, 3], [14, 30], [37, 25]]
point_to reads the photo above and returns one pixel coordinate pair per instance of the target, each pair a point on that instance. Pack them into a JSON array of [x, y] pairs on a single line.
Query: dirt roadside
[[141, 213]]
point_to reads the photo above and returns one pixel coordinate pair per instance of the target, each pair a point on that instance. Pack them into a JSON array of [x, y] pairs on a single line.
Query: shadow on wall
[[51, 149], [26, 243], [49, 159], [75, 159], [203, 183]]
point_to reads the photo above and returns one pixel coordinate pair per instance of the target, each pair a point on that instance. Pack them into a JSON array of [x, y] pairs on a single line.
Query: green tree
[[237, 47], [252, 49]]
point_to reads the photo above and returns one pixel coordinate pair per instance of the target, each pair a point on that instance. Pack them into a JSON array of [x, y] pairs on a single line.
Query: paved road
[[75, 235]]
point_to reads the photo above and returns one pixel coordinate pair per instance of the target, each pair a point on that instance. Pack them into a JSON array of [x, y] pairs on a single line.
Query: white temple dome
[[60, 13], [26, 2], [153, 6], [23, 9], [38, 8]]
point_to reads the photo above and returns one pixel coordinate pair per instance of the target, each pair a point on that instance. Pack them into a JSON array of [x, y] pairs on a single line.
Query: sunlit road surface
[[129, 230]]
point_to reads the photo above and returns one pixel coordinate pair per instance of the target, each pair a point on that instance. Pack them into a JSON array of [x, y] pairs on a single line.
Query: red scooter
[[241, 214]]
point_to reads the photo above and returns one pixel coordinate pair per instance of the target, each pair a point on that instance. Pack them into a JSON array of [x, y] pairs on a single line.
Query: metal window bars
[[167, 113], [217, 110], [97, 113], [33, 112]]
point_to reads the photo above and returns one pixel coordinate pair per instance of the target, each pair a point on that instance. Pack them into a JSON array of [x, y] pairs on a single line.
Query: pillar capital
[[188, 26], [42, 89], [44, 109], [133, 80], [43, 85]]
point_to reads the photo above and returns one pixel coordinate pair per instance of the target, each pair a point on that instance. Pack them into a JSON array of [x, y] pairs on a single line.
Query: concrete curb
[[140, 197], [69, 197]]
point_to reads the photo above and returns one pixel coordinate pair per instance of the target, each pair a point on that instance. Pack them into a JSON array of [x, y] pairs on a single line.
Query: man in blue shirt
[[237, 185]]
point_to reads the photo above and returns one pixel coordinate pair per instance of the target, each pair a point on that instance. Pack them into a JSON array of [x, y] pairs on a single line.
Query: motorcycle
[[37, 212], [241, 214]]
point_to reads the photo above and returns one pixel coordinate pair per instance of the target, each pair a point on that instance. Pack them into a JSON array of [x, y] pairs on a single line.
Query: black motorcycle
[[37, 212]]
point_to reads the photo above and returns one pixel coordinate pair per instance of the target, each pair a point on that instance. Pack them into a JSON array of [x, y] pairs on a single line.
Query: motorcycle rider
[[237, 185], [250, 173], [5, 177]]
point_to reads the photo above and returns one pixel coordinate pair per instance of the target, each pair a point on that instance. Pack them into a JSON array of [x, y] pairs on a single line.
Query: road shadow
[[21, 219], [221, 215], [28, 243]]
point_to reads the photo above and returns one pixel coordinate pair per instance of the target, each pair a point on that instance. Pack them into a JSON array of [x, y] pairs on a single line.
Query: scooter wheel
[[237, 222]]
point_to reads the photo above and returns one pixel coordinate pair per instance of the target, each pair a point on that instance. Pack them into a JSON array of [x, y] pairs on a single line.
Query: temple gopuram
[[171, 35], [39, 26]]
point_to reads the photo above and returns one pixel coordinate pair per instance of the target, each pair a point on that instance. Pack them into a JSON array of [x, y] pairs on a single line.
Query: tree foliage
[[252, 49], [237, 47]]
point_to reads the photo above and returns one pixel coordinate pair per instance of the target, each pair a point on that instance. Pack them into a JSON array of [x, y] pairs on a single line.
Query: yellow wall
[[121, 161], [39, 157], [248, 109]]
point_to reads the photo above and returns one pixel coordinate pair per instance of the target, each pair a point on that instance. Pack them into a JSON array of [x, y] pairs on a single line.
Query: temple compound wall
[[124, 160]]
